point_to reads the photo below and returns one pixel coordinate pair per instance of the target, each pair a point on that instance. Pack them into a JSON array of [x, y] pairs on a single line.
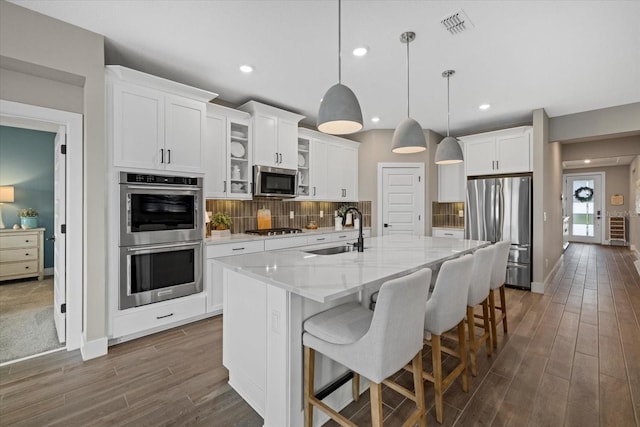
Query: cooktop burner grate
[[274, 231]]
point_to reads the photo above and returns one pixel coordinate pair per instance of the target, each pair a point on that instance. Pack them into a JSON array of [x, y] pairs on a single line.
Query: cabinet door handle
[[314, 190], [276, 158], [165, 316], [280, 157], [493, 164], [162, 155], [498, 164], [224, 189], [168, 156]]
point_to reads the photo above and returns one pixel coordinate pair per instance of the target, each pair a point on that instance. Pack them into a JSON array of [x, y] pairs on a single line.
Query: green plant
[[29, 212], [221, 221]]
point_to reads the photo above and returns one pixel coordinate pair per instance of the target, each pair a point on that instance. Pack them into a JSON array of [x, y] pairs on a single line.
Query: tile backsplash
[[244, 213], [447, 215]]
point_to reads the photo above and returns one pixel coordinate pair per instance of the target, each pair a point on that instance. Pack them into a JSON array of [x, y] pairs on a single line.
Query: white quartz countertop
[[324, 278]]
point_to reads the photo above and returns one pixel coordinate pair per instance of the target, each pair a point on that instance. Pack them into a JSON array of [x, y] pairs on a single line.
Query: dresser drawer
[[23, 254], [23, 240], [19, 268], [226, 249], [321, 238], [158, 314]]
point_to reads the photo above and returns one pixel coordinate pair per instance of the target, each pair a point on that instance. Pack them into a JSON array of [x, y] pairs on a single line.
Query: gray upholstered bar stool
[[374, 344], [479, 295], [446, 310], [498, 276]]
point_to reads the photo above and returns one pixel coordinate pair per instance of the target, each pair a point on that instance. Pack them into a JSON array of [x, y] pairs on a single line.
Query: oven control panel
[[158, 179]]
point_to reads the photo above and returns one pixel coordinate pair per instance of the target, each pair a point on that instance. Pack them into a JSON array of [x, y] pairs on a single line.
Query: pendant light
[[408, 136], [448, 151], [339, 112]]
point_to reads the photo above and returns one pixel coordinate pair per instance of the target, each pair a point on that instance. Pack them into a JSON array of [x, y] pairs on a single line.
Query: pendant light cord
[[447, 105], [408, 41], [339, 41]]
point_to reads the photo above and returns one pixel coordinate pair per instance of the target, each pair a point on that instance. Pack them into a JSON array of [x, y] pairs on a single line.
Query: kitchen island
[[268, 295]]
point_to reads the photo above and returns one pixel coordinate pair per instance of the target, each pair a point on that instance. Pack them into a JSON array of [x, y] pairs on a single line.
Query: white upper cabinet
[[342, 171], [312, 165], [228, 166], [499, 152], [275, 135], [451, 183], [154, 123]]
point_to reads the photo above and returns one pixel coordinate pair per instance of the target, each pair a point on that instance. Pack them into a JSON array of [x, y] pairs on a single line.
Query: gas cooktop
[[274, 231]]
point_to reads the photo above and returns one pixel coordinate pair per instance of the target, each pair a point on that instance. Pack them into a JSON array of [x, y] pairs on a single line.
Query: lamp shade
[[6, 194], [408, 137], [339, 112], [448, 152]]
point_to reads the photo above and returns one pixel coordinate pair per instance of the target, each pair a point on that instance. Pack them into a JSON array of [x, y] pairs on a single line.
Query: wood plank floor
[[572, 357]]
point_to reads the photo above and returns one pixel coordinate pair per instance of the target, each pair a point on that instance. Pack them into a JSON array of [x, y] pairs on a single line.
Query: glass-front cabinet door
[[303, 168], [239, 171]]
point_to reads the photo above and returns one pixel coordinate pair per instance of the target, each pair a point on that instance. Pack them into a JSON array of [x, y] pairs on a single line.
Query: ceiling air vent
[[457, 22]]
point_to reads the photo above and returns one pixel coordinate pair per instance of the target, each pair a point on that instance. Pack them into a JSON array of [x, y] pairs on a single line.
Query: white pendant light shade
[[448, 152], [408, 137], [339, 112]]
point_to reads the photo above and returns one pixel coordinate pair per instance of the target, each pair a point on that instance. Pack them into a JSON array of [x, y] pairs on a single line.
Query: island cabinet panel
[[498, 152]]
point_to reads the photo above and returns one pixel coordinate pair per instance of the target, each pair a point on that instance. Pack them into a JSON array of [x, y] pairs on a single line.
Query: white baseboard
[[537, 287], [48, 271], [94, 348], [634, 249]]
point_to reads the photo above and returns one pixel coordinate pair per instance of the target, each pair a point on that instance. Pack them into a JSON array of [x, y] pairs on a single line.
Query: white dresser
[[21, 253]]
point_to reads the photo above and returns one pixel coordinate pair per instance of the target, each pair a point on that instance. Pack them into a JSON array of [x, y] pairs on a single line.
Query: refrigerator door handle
[[499, 211]]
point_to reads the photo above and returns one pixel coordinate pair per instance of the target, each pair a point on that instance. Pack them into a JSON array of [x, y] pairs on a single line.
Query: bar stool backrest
[[481, 275], [448, 303], [499, 273]]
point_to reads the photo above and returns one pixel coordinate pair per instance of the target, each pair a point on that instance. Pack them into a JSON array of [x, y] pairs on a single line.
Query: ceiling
[[564, 56], [599, 162]]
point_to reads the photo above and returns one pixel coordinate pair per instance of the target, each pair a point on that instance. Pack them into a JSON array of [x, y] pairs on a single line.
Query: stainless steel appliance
[[274, 182], [499, 208], [159, 209], [274, 231], [161, 238], [153, 273]]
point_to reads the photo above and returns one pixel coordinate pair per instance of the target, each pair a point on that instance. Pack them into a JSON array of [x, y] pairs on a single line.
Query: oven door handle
[[170, 245], [162, 188]]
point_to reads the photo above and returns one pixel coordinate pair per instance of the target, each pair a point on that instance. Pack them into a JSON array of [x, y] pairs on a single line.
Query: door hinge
[[63, 148], [63, 308], [63, 228]]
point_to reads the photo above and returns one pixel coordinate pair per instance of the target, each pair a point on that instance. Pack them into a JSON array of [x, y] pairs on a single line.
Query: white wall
[[62, 55]]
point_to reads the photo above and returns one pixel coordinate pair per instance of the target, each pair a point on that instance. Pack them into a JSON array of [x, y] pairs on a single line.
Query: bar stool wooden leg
[[487, 335], [472, 341], [309, 371], [355, 386], [376, 404], [503, 308], [463, 357], [436, 357], [418, 387], [493, 320]]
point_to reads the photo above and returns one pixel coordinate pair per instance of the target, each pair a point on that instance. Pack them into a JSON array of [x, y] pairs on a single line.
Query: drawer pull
[[165, 316], [238, 249], [319, 240], [342, 237], [448, 234]]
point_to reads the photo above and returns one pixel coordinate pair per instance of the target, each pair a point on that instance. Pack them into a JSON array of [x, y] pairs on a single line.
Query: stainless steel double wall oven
[[161, 238]]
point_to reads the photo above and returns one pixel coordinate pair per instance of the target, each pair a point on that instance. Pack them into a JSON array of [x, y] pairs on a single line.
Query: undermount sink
[[333, 250]]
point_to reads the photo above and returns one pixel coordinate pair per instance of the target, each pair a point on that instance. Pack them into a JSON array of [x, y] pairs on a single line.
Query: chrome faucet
[[360, 242]]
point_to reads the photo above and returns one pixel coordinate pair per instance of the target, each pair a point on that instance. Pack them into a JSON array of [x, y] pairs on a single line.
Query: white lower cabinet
[[452, 233], [149, 317]]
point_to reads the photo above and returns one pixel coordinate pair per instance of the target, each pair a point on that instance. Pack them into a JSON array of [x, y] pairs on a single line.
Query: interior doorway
[[400, 198], [584, 206], [67, 230]]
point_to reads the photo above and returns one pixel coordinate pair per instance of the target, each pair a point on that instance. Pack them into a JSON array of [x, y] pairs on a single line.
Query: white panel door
[[402, 201], [184, 140], [215, 178], [584, 207], [265, 131], [318, 169], [59, 244], [479, 156], [287, 144], [512, 153]]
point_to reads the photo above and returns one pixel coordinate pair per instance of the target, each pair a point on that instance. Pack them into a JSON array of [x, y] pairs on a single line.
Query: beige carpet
[[26, 319]]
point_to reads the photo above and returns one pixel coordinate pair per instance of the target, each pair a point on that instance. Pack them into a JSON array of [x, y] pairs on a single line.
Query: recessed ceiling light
[[375, 119], [246, 69], [484, 106], [587, 161], [360, 51]]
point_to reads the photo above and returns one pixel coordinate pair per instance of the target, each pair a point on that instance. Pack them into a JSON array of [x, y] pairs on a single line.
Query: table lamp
[[6, 196]]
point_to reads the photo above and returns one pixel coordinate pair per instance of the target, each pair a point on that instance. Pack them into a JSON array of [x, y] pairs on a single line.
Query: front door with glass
[[584, 207]]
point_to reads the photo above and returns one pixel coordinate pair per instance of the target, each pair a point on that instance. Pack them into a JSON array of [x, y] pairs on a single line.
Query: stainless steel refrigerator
[[500, 209]]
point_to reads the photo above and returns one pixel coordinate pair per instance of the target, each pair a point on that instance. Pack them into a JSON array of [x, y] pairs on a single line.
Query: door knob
[[386, 225]]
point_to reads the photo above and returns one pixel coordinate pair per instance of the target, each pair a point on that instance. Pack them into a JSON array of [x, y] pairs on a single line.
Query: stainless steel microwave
[[274, 182]]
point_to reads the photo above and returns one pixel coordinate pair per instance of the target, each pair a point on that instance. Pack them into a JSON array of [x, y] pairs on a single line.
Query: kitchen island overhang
[[268, 295]]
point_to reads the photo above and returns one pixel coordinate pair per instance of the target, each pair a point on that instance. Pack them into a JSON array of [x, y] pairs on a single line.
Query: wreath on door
[[583, 194]]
